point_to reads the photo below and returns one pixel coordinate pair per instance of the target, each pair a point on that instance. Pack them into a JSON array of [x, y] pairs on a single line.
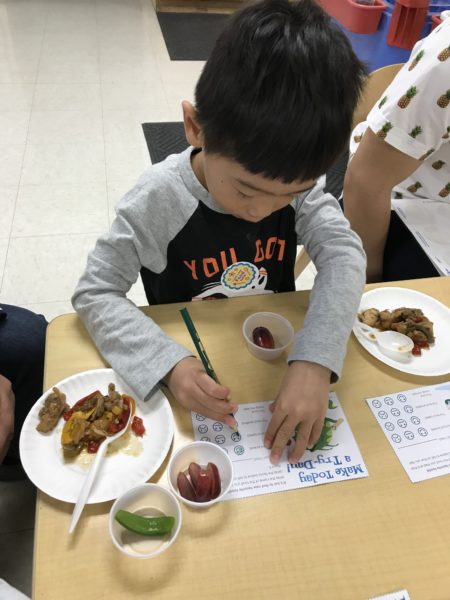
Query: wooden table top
[[348, 540]]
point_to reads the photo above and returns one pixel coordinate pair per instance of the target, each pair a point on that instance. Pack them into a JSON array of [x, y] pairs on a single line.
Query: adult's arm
[[375, 169]]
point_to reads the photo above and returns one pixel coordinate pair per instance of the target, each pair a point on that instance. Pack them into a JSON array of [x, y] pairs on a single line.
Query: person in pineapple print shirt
[[401, 160]]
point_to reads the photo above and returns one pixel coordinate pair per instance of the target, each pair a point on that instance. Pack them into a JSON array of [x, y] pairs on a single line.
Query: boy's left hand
[[302, 400]]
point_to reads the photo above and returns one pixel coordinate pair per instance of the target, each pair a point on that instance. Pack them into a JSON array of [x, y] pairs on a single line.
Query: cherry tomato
[[93, 447], [67, 414], [422, 344], [123, 418], [114, 428], [416, 351], [137, 425]]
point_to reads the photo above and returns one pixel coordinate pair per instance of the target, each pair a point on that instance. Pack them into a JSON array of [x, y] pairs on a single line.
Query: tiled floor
[[17, 503], [77, 79], [72, 100]]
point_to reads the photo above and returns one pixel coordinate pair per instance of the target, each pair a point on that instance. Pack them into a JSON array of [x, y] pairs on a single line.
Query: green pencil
[[200, 348]]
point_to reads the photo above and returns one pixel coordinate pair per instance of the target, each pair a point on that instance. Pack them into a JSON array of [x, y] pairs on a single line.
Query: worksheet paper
[[401, 595], [417, 425], [428, 222], [336, 458]]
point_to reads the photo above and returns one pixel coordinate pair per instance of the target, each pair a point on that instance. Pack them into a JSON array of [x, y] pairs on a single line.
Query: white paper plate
[[433, 362], [42, 456]]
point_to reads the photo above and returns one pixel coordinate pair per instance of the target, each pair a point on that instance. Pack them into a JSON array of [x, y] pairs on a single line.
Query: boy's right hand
[[194, 389]]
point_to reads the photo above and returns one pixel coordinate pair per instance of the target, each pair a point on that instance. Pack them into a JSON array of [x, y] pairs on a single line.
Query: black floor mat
[[164, 139], [168, 138], [190, 36]]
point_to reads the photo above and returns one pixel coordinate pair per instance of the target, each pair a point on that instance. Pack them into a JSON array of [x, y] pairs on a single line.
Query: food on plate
[[90, 420], [199, 484], [137, 426], [93, 418], [154, 526], [54, 406], [263, 338], [409, 321]]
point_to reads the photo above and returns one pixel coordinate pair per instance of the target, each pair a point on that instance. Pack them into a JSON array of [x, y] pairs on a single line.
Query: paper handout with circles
[[400, 595], [335, 457], [417, 425]]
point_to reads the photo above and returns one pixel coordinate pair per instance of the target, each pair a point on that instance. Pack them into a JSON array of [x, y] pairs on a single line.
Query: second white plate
[[436, 360]]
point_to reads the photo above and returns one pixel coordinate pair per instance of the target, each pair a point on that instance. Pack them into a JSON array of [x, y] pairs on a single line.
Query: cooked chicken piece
[[112, 393], [370, 317], [100, 406], [54, 406], [403, 313], [418, 337], [426, 327], [90, 403], [386, 319], [99, 428], [400, 326], [113, 398]]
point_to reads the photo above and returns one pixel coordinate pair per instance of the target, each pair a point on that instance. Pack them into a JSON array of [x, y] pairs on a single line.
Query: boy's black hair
[[278, 92]]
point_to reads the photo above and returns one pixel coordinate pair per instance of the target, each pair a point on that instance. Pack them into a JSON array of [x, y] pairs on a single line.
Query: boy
[[273, 111]]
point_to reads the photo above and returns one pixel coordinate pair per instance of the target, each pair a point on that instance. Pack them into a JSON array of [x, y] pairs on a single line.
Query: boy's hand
[[197, 391], [302, 400], [7, 401]]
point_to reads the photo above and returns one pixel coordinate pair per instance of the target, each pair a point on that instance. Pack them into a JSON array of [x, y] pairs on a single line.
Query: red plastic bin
[[357, 18], [408, 18]]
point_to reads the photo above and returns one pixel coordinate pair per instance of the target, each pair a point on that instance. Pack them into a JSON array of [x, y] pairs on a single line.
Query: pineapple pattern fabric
[[413, 115]]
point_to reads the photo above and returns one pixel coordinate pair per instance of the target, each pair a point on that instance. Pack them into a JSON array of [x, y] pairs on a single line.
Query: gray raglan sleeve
[[339, 258], [135, 347]]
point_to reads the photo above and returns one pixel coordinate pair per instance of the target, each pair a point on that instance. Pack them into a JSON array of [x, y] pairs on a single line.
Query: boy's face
[[239, 192]]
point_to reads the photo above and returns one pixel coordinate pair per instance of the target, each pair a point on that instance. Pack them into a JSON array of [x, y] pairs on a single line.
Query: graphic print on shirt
[[239, 279], [216, 255], [413, 116]]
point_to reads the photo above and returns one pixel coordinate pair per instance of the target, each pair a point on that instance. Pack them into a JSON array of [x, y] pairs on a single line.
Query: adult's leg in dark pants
[[22, 345], [403, 255]]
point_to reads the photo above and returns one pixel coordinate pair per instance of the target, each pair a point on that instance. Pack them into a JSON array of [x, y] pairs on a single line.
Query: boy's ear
[[192, 129]]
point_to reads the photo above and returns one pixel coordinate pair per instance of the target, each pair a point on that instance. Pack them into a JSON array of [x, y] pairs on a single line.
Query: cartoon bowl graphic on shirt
[[239, 276], [239, 279]]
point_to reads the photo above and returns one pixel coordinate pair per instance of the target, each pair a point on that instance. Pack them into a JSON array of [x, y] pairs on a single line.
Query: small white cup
[[201, 453], [280, 328], [148, 500]]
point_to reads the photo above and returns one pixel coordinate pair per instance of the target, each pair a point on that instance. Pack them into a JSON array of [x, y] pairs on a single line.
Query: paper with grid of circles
[[417, 425]]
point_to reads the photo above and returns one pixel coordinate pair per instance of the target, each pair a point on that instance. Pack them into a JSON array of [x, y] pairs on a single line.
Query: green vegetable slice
[[145, 525]]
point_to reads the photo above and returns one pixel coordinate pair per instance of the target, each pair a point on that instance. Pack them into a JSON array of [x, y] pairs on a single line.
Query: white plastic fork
[[90, 477]]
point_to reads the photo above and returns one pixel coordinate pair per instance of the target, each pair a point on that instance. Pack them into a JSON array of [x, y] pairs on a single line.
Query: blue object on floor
[[372, 48]]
